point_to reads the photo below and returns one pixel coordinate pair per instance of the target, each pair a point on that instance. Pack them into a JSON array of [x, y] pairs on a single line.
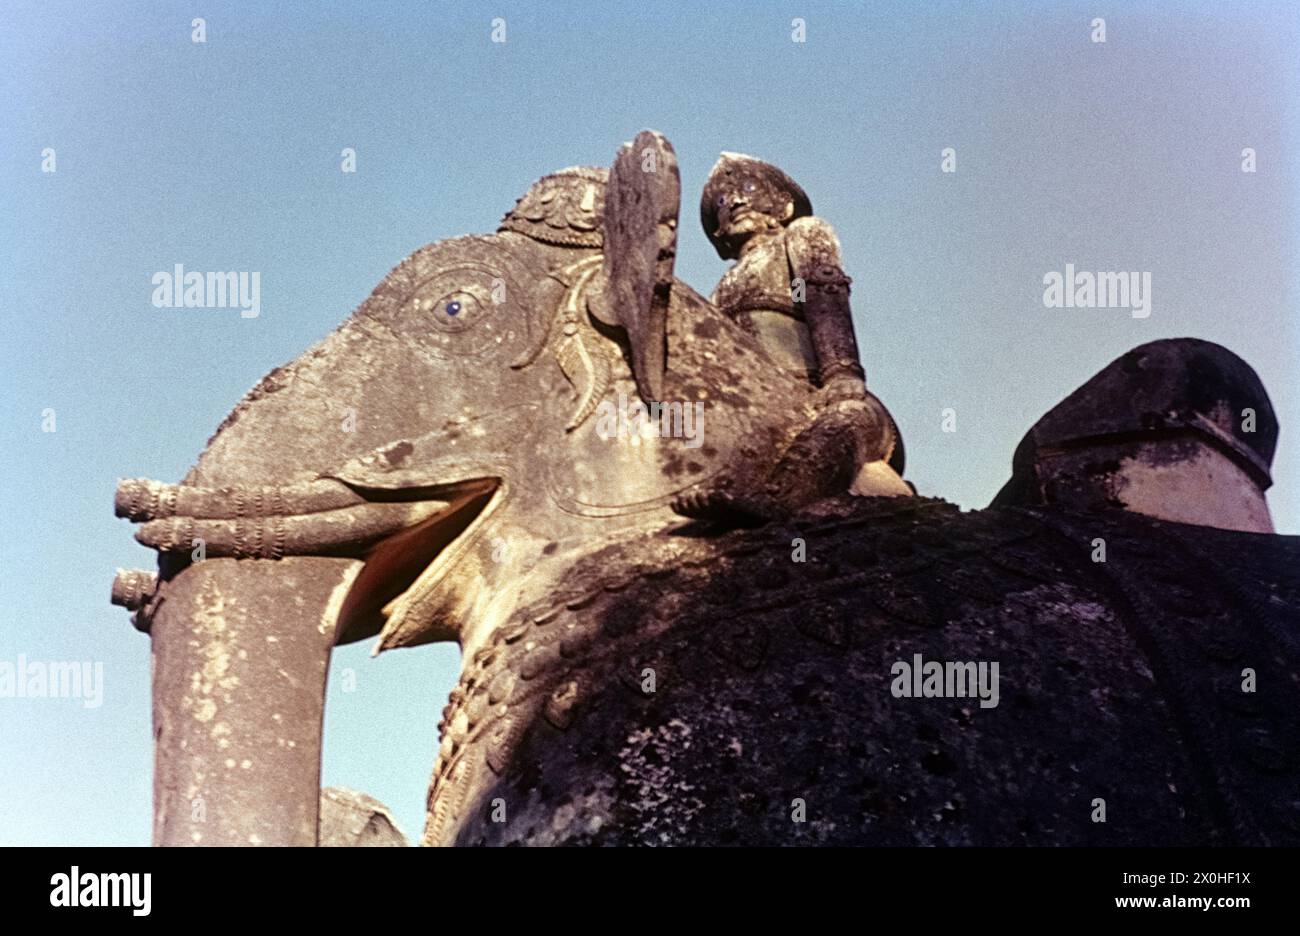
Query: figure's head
[[745, 197]]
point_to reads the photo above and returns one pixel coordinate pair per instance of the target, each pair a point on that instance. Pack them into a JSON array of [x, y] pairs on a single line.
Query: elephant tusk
[[346, 531], [142, 499]]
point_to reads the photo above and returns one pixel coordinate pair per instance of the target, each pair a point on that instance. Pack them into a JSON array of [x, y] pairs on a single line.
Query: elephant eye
[[455, 311], [722, 200], [463, 308]]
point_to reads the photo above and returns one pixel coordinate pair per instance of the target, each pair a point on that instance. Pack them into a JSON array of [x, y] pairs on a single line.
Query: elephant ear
[[642, 202]]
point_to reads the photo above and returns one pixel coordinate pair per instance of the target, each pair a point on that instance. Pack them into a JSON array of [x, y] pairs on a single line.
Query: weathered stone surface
[[1112, 686], [1180, 429]]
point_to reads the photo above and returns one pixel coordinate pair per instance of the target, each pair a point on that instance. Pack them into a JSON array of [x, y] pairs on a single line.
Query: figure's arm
[[814, 254]]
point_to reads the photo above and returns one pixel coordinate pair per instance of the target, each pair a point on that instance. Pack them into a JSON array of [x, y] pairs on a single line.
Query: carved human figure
[[789, 291]]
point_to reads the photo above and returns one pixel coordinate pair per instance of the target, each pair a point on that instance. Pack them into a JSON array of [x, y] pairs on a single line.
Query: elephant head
[[499, 407]]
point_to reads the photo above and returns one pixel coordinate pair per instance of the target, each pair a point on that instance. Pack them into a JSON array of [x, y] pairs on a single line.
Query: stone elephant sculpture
[[682, 628]]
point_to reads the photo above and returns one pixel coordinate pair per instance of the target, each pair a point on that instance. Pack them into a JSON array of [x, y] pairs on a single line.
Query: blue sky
[[225, 156]]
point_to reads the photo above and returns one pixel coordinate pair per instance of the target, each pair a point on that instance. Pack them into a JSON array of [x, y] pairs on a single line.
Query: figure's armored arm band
[[814, 253], [830, 324]]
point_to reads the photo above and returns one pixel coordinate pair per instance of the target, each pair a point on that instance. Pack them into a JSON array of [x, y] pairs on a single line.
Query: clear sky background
[[226, 156]]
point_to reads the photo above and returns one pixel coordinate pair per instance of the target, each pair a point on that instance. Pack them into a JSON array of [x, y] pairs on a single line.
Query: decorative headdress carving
[[565, 208]]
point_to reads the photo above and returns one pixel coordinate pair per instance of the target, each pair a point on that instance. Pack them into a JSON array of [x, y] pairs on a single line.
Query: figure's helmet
[[565, 208], [763, 186]]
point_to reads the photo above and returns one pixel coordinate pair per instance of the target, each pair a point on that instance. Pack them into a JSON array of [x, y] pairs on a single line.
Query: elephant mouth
[[408, 540], [395, 593]]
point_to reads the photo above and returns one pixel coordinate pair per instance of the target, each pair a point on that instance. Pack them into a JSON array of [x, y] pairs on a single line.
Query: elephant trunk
[[144, 499], [240, 658]]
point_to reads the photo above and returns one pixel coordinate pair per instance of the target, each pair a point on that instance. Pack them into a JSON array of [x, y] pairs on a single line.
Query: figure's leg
[[844, 450]]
